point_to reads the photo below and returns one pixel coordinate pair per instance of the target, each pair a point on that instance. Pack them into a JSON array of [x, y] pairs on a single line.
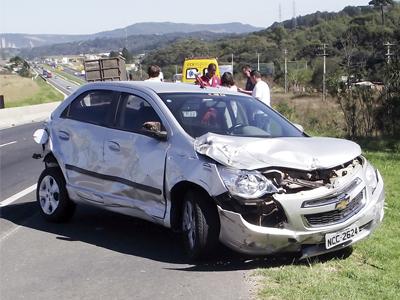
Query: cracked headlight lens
[[246, 184], [371, 177]]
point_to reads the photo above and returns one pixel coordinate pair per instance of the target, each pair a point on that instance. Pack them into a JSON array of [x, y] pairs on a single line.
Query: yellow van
[[194, 66]]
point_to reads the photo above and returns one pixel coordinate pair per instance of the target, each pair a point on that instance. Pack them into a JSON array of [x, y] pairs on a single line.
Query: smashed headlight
[[246, 184]]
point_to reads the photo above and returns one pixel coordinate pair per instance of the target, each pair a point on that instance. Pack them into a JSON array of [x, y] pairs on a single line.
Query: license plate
[[340, 237]]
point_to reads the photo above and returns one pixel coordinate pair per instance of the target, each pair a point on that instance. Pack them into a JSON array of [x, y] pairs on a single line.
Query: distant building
[[91, 56], [3, 43]]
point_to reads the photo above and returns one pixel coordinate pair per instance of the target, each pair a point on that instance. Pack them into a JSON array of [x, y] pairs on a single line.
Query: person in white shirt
[[161, 76], [261, 89], [154, 73]]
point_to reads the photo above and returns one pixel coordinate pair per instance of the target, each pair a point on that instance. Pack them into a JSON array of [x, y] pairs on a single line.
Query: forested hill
[[357, 31], [23, 40], [135, 43]]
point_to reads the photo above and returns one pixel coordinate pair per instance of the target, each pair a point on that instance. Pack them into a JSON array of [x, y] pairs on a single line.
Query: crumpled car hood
[[304, 153]]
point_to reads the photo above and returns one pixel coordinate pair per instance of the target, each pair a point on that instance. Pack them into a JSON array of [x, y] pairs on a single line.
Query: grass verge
[[45, 94], [370, 272]]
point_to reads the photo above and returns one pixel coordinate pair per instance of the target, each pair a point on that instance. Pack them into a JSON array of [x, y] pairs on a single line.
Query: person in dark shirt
[[246, 70]]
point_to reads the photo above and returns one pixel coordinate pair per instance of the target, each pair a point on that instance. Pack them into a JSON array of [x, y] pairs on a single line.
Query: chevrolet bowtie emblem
[[342, 204]]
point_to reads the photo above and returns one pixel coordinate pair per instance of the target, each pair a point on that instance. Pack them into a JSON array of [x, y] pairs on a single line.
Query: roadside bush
[[284, 109], [317, 117], [388, 114], [359, 105]]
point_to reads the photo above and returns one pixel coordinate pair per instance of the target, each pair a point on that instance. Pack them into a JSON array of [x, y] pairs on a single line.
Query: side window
[[191, 73], [135, 114], [94, 107]]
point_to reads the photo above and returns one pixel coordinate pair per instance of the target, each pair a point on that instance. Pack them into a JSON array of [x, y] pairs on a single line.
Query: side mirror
[[299, 127], [154, 130], [40, 136]]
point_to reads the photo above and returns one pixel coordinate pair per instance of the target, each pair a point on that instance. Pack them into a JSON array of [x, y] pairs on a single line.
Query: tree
[[114, 54], [381, 4], [299, 78], [21, 65], [388, 116], [127, 55]]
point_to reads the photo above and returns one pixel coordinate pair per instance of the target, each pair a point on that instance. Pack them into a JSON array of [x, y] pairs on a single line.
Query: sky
[[91, 16]]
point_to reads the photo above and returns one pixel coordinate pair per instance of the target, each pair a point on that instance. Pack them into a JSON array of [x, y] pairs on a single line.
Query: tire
[[52, 196], [200, 225]]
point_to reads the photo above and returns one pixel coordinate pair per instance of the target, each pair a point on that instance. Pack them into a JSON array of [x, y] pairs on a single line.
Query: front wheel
[[200, 224], [52, 196]]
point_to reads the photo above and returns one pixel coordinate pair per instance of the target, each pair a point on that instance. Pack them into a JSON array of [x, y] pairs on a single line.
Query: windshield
[[200, 113]]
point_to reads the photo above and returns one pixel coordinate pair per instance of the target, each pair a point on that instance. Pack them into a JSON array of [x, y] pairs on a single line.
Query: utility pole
[[324, 73], [286, 86], [258, 61], [388, 53], [126, 38], [232, 63]]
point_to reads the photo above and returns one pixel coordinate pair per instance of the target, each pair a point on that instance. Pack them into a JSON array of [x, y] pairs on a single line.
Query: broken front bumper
[[244, 237]]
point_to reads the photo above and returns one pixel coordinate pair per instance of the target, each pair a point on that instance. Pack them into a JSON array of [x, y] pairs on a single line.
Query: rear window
[[92, 107]]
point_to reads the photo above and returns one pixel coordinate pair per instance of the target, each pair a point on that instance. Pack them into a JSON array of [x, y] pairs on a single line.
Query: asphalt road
[[65, 86], [98, 254], [73, 72], [18, 169]]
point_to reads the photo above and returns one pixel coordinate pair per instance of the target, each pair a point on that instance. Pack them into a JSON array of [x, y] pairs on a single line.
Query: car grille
[[336, 216]]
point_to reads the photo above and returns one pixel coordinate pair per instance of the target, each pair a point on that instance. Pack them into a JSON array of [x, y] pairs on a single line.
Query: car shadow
[[137, 237]]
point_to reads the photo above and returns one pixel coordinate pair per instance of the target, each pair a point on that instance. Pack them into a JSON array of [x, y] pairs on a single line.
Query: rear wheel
[[52, 196], [200, 225]]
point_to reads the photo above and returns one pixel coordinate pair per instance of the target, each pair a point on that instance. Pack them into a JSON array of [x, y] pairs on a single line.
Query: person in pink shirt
[[210, 79]]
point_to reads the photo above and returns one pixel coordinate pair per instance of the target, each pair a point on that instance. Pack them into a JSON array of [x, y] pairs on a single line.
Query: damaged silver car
[[214, 164]]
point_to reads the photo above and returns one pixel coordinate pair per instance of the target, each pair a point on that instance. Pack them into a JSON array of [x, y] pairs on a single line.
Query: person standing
[[261, 89], [228, 82], [154, 72], [209, 79], [246, 70]]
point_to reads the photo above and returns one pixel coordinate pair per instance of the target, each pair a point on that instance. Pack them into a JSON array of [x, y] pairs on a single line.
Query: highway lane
[[63, 84], [18, 169], [98, 254], [66, 86], [73, 72], [102, 255]]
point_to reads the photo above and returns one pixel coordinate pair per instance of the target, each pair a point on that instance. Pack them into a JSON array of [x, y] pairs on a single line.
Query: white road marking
[[15, 197], [10, 143], [9, 233]]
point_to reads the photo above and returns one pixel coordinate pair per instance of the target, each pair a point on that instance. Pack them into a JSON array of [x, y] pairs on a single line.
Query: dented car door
[[135, 160], [79, 133]]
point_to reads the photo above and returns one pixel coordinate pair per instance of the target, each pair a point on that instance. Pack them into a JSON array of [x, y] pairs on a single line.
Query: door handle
[[114, 146], [63, 135]]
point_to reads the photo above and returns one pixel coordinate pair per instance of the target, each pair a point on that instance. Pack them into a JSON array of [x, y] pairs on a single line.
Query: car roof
[[160, 87]]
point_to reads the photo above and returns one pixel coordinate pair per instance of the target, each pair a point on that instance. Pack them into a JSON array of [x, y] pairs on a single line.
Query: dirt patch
[[15, 87]]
